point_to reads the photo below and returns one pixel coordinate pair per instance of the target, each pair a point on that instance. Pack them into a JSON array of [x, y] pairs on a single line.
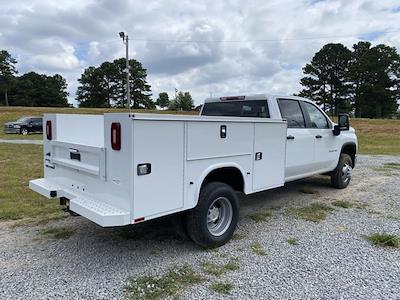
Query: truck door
[[325, 145], [300, 139]]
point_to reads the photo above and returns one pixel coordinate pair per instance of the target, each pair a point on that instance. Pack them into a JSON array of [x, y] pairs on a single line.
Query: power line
[[263, 40]]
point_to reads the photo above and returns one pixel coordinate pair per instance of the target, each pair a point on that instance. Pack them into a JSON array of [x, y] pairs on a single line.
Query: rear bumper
[[93, 209]]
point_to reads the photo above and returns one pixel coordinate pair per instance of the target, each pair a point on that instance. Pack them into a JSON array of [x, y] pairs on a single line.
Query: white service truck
[[120, 168]]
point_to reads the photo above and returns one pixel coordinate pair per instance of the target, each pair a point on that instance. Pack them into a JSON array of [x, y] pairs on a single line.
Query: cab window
[[317, 118], [250, 108], [291, 111]]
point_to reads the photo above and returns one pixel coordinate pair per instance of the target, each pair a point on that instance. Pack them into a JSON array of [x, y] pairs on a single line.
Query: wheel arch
[[231, 174], [350, 148]]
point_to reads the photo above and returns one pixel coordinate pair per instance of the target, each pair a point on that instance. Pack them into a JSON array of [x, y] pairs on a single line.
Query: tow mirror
[[344, 124]]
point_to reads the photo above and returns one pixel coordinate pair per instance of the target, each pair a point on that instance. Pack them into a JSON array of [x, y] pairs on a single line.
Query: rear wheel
[[213, 221], [341, 176]]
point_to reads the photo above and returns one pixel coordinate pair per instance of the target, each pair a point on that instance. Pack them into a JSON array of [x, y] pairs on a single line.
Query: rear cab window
[[291, 111], [245, 108]]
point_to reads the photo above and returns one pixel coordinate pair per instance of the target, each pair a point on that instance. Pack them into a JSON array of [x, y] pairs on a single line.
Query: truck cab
[[313, 144]]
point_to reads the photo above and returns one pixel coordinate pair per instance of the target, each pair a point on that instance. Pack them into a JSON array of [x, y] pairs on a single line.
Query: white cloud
[[67, 36]]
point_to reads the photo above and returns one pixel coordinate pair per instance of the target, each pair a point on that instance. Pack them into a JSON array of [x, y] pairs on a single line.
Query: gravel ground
[[332, 259]]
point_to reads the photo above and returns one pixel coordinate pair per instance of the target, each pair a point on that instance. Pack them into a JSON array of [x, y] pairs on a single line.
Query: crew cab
[[24, 125], [121, 168]]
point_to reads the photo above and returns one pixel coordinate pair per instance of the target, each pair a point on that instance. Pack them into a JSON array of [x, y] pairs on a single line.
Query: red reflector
[[232, 98], [138, 220], [116, 136], [49, 130]]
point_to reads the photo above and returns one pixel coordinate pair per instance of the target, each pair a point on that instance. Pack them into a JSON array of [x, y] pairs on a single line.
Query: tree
[[105, 86], [375, 72], [7, 73], [182, 101], [327, 78], [33, 89], [163, 100]]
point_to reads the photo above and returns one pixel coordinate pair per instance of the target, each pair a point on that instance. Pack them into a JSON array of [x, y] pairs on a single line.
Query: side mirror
[[344, 122]]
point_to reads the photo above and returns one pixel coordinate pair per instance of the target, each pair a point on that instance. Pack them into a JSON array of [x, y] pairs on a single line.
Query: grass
[[342, 204], [218, 269], [307, 190], [19, 164], [58, 233], [260, 216], [258, 249], [222, 287], [168, 285], [12, 113], [293, 242], [315, 212], [377, 136], [384, 240]]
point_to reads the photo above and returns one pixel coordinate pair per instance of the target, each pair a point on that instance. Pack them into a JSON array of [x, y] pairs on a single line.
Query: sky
[[205, 47]]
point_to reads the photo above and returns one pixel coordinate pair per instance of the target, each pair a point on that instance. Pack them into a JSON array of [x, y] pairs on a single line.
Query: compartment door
[[161, 145], [269, 155]]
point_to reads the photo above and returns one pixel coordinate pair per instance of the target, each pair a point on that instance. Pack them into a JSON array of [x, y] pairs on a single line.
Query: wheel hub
[[219, 216], [346, 172]]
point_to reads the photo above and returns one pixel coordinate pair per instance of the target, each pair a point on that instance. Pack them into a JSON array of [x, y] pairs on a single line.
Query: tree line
[[29, 89], [364, 80]]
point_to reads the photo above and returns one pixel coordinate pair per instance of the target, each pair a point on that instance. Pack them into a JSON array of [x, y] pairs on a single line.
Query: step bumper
[[93, 209]]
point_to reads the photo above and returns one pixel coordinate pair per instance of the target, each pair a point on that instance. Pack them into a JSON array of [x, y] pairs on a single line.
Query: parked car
[[25, 125], [118, 168]]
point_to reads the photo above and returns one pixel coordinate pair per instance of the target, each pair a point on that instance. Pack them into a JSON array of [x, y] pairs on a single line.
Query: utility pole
[[125, 40]]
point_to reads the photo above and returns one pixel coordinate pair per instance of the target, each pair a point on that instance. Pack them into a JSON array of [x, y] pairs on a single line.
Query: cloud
[[204, 47]]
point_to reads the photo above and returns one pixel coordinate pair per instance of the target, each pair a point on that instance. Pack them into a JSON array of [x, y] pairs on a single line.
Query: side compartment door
[[158, 145], [300, 140], [269, 155]]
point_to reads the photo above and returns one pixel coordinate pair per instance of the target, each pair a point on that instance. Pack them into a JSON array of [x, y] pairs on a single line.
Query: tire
[[213, 221], [341, 176], [24, 131]]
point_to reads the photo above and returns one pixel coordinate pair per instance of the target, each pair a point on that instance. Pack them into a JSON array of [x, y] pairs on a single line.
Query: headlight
[[17, 126]]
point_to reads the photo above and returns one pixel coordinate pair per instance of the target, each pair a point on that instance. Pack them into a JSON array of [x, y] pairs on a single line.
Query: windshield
[[251, 108], [23, 119]]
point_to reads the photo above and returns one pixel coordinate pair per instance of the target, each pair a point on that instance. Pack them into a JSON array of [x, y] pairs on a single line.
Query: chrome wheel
[[346, 172], [219, 216], [24, 131]]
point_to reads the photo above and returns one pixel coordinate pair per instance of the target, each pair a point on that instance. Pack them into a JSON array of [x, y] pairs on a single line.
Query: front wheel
[[341, 176], [24, 131], [213, 221]]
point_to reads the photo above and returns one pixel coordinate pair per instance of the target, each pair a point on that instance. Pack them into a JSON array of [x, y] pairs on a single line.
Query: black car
[[25, 125]]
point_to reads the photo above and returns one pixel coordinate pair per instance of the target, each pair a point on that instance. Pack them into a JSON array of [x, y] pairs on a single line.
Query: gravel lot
[[332, 259]]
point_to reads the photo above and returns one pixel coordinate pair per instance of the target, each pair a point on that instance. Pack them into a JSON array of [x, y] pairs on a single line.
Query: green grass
[[377, 136], [168, 285], [342, 204], [384, 240], [218, 269], [314, 212], [222, 287], [19, 164], [260, 216], [258, 249], [58, 232], [293, 242], [307, 190], [12, 113]]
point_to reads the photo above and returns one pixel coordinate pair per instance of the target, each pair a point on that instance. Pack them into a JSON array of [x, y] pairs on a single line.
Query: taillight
[[116, 136], [49, 130]]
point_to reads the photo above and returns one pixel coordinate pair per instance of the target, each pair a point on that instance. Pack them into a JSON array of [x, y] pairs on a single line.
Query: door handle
[[318, 136], [290, 137]]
